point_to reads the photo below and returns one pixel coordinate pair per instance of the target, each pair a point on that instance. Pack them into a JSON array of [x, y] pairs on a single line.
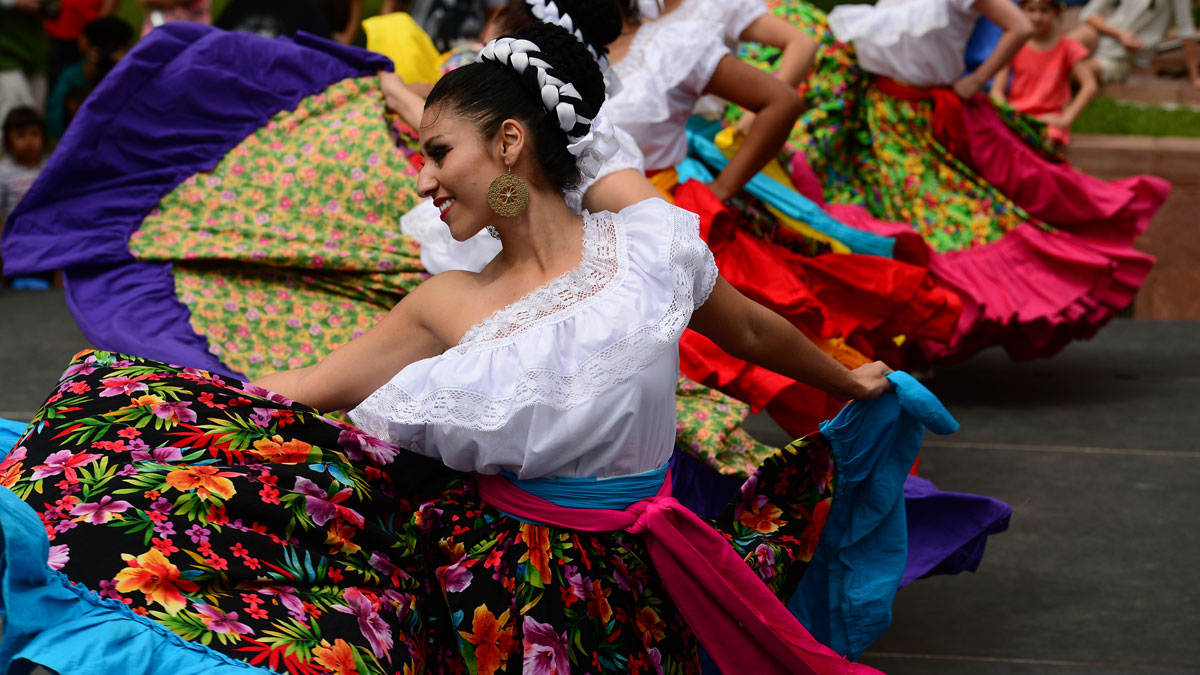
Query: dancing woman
[[1039, 253], [502, 510]]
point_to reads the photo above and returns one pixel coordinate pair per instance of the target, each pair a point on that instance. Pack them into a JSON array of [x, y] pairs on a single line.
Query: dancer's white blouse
[[575, 379], [919, 42], [664, 73]]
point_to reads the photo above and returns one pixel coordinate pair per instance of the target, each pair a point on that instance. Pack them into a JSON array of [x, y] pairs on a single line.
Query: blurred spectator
[[343, 17], [1129, 34], [159, 12], [65, 29], [25, 150], [103, 43], [272, 18], [22, 55], [447, 21], [1042, 72]]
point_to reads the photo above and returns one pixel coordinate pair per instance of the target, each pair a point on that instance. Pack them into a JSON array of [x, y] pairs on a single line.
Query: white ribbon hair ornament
[[591, 148], [547, 11], [649, 9]]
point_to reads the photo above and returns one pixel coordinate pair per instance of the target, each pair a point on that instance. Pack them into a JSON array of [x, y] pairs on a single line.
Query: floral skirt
[[253, 530], [1039, 254]]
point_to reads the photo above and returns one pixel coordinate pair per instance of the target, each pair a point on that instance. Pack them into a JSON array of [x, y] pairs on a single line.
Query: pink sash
[[741, 624]]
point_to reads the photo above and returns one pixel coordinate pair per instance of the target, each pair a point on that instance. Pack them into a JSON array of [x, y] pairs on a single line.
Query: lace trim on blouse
[[602, 271]]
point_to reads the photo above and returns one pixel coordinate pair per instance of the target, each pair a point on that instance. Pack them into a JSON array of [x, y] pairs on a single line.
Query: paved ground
[[1096, 449]]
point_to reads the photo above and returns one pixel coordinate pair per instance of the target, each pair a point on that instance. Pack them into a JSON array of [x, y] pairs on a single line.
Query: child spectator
[[103, 43], [159, 12], [24, 151], [1042, 72]]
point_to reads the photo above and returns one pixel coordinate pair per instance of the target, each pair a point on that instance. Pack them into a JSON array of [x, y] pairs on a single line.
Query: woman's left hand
[[870, 380], [967, 87]]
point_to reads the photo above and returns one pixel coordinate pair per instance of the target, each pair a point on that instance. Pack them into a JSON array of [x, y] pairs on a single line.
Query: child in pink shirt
[[1042, 72]]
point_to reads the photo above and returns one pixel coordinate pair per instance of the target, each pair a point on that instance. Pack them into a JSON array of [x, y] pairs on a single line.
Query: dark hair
[[488, 93], [19, 118], [108, 34], [599, 20]]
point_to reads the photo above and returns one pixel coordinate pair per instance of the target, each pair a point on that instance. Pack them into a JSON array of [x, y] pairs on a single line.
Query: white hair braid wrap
[[649, 9], [547, 11], [591, 148]]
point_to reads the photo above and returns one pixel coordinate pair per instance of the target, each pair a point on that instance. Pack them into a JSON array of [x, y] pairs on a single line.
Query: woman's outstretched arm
[[1017, 29], [352, 372], [799, 51], [753, 333], [777, 105]]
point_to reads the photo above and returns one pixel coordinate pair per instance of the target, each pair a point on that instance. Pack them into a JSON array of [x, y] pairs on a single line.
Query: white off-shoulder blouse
[[575, 379]]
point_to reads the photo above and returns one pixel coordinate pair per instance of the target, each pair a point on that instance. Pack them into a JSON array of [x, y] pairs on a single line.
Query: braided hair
[[489, 92]]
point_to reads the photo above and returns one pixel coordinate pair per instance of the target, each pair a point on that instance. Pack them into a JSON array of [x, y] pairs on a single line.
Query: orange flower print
[[812, 533], [205, 480], [152, 574], [537, 538], [338, 658], [763, 517], [339, 540], [650, 625], [278, 451], [597, 604], [493, 640]]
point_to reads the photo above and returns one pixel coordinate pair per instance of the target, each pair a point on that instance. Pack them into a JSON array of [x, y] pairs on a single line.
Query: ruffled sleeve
[[568, 356], [741, 13], [679, 51]]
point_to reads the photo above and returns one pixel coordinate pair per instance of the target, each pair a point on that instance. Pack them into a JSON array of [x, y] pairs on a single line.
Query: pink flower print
[[323, 508], [378, 633], [385, 566], [332, 206], [101, 512], [372, 217], [115, 386], [255, 390], [108, 589], [578, 586], [160, 455], [137, 444], [177, 411], [220, 622], [545, 650], [457, 577], [655, 660], [288, 598], [356, 175], [764, 562], [285, 204], [356, 444], [59, 557], [63, 462], [198, 534], [373, 159], [84, 368], [238, 169]]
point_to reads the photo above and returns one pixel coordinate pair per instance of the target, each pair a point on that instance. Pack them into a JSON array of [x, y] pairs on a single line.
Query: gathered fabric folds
[[215, 525]]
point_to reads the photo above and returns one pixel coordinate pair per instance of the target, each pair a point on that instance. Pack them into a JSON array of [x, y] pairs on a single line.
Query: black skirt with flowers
[[255, 531]]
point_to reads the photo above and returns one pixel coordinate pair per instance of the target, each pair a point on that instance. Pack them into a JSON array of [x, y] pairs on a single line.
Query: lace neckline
[[601, 260], [635, 56]]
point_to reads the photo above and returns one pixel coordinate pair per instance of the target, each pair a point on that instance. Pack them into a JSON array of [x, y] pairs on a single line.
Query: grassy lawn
[[1107, 116]]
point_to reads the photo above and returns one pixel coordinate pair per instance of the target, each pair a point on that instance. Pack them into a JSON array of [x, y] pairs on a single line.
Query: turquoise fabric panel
[[594, 493], [10, 433], [845, 597], [789, 202], [71, 630]]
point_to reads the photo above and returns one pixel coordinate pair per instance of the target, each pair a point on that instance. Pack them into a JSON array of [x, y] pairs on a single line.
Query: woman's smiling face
[[459, 166]]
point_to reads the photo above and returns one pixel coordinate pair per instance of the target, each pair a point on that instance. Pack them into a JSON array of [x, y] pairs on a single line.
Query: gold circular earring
[[508, 194]]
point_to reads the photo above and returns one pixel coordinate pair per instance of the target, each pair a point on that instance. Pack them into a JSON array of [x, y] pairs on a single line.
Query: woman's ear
[[511, 138]]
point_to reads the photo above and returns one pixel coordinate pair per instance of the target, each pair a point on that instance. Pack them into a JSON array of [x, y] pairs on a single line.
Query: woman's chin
[[464, 234]]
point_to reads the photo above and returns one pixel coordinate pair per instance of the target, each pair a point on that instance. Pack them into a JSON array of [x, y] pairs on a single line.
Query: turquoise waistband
[[593, 493]]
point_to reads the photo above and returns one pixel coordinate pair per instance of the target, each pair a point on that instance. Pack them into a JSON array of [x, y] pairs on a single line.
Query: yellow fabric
[[399, 38], [665, 181], [728, 141]]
